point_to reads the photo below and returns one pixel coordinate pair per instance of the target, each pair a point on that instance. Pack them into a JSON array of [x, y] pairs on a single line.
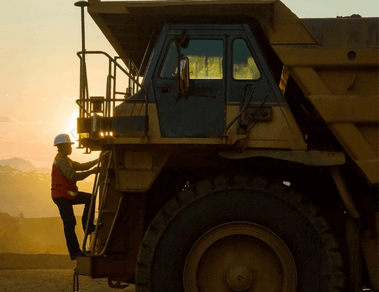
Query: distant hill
[[5, 120], [23, 165], [18, 163], [34, 235], [6, 168], [30, 191]]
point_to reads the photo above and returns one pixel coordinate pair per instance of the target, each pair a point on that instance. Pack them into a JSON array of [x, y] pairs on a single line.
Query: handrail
[[110, 96], [92, 210], [102, 197], [115, 63], [131, 67], [95, 190], [111, 228]]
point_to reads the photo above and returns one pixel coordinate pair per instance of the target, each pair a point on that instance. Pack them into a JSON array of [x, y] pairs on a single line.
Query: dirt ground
[[45, 273]]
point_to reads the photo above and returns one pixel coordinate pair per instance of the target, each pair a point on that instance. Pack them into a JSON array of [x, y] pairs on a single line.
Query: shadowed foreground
[[44, 273]]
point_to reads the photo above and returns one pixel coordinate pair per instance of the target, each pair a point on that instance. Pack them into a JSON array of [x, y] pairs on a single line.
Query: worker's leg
[[67, 214], [85, 198]]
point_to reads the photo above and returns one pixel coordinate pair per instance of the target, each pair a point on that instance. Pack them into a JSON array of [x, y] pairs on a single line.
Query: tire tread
[[273, 187]]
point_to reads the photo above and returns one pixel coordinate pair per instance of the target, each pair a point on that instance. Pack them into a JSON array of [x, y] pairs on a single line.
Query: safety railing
[[92, 106]]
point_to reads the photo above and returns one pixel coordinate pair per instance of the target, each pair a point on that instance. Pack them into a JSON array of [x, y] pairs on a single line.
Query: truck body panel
[[316, 57], [238, 118]]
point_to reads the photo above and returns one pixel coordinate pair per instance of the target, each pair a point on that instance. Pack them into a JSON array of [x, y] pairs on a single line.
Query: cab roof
[[129, 25]]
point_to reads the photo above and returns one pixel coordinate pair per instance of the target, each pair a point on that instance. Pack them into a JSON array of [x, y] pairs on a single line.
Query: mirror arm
[[177, 43], [180, 41]]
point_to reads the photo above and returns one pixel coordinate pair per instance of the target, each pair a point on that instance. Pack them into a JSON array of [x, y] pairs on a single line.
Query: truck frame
[[241, 153]]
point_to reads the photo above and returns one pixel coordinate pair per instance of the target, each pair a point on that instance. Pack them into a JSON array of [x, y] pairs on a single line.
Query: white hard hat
[[62, 139]]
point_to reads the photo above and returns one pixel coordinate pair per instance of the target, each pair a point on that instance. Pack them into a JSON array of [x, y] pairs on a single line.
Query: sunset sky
[[39, 69]]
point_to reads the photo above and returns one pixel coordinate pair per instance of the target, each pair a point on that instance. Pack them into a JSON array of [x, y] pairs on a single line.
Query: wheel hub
[[240, 278], [239, 256]]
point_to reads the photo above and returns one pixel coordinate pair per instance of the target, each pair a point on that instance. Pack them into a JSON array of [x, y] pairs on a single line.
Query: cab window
[[205, 59], [244, 66]]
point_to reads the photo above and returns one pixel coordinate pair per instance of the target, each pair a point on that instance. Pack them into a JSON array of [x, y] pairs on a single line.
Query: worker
[[65, 193]]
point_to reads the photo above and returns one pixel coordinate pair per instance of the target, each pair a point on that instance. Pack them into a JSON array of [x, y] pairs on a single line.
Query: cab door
[[200, 111], [250, 82]]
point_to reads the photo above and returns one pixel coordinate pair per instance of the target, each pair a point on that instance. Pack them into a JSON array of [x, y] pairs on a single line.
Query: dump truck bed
[[130, 25], [349, 32]]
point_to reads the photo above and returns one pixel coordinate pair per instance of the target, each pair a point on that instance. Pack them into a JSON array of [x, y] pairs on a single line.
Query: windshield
[[205, 59]]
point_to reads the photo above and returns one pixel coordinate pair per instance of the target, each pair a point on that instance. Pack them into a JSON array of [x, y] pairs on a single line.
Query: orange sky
[[39, 68], [40, 76]]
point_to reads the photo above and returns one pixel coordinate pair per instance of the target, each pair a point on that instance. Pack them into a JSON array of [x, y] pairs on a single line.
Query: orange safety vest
[[60, 185]]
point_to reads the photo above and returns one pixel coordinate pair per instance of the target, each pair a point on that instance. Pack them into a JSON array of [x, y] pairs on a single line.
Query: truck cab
[[219, 66]]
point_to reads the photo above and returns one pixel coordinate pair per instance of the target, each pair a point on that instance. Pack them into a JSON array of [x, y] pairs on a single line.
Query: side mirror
[[183, 75]]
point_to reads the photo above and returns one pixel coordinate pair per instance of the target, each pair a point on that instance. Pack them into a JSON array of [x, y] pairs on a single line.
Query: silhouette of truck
[[239, 148]]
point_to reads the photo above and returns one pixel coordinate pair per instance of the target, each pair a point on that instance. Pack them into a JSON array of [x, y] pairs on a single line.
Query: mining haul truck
[[239, 151]]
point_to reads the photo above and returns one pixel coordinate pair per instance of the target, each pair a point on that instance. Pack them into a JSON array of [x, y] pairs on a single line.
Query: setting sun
[[70, 126]]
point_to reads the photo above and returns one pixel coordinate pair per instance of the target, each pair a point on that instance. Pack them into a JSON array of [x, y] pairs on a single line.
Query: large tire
[[217, 234]]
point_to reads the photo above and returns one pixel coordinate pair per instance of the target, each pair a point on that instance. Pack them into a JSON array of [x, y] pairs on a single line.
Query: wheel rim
[[239, 256]]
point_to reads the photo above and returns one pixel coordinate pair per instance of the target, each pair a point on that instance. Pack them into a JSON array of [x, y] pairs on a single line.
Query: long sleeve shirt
[[70, 168]]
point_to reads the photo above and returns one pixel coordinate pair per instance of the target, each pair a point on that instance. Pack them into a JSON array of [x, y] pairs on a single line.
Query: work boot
[[79, 254], [91, 228]]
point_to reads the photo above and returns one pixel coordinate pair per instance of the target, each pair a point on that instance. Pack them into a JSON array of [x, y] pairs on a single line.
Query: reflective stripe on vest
[[73, 194]]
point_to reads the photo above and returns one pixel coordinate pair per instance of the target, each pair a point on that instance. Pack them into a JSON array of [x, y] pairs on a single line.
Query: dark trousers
[[69, 222]]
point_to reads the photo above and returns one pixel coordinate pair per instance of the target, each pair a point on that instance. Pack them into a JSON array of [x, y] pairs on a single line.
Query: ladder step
[[108, 211]]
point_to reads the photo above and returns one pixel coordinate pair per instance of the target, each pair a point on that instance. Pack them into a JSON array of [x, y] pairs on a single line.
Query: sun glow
[[71, 126]]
